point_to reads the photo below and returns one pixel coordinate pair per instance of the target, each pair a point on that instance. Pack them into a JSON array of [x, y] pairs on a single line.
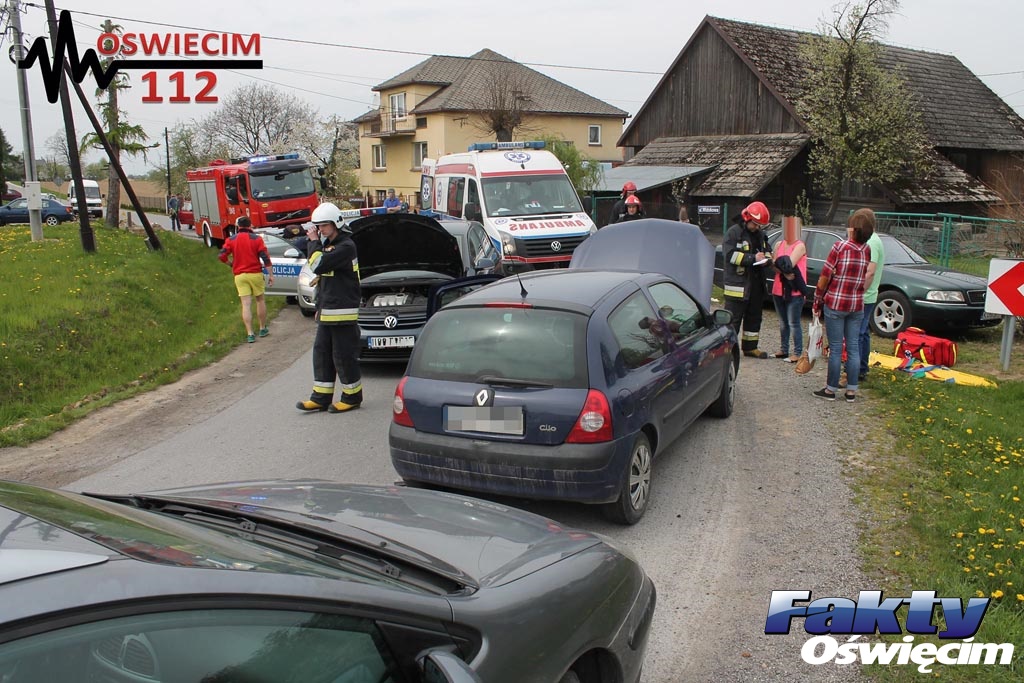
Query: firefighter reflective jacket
[[739, 271], [336, 265]]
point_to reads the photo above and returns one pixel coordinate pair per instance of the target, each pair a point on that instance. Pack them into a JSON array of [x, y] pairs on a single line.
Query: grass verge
[[80, 331]]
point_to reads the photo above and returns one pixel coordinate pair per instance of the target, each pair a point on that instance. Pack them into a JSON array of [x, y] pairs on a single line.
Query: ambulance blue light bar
[[487, 146]]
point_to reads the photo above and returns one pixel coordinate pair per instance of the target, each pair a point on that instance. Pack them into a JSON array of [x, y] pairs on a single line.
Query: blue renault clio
[[565, 384]]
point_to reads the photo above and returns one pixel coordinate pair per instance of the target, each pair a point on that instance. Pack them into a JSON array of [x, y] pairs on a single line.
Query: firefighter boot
[[341, 407], [311, 406]]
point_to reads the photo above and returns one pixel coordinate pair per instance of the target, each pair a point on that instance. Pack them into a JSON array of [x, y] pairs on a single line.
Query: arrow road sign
[[1005, 279]]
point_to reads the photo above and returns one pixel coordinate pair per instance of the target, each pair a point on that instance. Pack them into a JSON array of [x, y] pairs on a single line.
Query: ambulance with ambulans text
[[519, 192]]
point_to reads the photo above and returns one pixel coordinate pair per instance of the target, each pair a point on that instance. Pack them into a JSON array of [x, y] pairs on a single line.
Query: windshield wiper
[[512, 382], [370, 555]]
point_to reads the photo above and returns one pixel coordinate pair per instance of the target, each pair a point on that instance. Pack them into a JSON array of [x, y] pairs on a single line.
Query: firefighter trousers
[[747, 313], [336, 355]]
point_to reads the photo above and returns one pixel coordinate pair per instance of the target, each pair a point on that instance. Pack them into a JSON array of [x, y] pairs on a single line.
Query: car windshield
[[92, 193], [530, 196], [161, 539], [899, 254], [282, 185], [465, 344]]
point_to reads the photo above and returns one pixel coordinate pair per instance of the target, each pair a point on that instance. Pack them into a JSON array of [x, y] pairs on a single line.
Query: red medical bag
[[914, 343]]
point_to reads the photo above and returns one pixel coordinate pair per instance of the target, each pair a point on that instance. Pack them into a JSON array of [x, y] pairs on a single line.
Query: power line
[[318, 43], [1002, 73]]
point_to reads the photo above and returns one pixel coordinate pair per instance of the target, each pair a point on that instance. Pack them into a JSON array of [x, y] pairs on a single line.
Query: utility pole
[[84, 227], [167, 149], [34, 214]]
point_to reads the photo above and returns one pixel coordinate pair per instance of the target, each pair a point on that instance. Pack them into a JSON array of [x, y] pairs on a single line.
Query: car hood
[[405, 241], [463, 538], [653, 245], [937, 277]]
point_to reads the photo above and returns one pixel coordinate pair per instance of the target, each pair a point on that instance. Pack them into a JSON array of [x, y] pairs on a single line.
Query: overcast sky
[[641, 37]]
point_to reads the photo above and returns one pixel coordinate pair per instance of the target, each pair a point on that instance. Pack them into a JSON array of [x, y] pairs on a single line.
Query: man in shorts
[[247, 254]]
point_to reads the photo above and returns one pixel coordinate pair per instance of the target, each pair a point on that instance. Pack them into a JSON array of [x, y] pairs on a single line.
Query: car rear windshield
[[525, 344]]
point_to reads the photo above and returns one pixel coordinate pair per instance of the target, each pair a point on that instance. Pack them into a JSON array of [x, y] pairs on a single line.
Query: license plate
[[392, 342], [506, 420]]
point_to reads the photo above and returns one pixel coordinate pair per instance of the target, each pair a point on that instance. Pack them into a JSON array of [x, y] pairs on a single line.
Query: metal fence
[[942, 236]]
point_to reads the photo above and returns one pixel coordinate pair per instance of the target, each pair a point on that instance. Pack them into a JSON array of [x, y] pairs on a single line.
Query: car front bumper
[[586, 473], [933, 315]]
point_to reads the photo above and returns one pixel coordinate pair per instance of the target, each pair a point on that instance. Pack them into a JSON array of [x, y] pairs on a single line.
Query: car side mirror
[[292, 253], [722, 317], [484, 264], [444, 667]]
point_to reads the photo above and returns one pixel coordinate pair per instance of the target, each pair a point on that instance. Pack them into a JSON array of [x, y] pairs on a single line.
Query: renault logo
[[484, 397], [556, 246], [391, 322]]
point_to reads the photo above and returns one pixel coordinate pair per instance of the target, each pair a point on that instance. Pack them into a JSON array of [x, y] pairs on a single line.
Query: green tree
[[584, 173], [122, 136], [11, 165], [864, 123]]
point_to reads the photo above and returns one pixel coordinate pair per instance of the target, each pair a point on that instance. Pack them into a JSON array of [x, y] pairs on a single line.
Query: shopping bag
[[804, 365], [815, 339]]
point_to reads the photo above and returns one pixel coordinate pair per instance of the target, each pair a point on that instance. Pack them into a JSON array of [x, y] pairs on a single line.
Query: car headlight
[[508, 244], [305, 276], [946, 296]]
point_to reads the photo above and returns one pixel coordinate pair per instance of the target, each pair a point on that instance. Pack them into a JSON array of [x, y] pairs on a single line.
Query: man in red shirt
[[247, 253]]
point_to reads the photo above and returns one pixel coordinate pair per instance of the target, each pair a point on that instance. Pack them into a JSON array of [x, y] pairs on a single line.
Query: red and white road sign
[[1005, 281]]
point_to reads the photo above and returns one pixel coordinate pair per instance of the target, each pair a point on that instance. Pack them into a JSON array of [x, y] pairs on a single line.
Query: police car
[[287, 261]]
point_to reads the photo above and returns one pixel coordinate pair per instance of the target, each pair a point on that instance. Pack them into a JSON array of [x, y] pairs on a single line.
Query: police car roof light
[[487, 146]]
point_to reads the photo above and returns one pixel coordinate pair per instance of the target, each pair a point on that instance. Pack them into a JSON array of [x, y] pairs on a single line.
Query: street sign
[[1005, 280], [713, 209]]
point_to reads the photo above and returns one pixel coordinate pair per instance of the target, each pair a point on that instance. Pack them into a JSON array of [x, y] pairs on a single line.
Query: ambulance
[[519, 192]]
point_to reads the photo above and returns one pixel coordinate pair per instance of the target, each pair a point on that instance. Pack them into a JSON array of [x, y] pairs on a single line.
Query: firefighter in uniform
[[746, 244], [334, 262]]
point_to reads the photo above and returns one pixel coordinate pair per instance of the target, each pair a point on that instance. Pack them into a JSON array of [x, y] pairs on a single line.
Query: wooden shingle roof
[[465, 81], [957, 109], [743, 164]]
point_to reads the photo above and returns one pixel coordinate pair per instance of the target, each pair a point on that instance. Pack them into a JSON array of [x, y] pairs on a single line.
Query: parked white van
[[519, 192], [93, 199]]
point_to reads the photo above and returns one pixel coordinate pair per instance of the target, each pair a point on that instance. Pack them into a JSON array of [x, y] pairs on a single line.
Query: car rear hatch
[[500, 372]]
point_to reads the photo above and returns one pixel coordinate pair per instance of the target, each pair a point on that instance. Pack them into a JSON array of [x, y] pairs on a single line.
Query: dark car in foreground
[[565, 384], [51, 213], [912, 291], [309, 581]]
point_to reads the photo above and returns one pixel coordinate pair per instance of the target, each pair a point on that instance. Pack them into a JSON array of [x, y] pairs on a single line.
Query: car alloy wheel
[[52, 220], [635, 493], [891, 315]]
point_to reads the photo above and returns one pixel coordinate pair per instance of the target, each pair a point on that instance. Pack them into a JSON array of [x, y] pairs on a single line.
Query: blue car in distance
[[52, 212], [565, 384]]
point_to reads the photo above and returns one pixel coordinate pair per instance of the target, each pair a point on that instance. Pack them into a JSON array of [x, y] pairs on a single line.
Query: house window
[[595, 135], [381, 196], [380, 157], [421, 121], [397, 106], [419, 153]]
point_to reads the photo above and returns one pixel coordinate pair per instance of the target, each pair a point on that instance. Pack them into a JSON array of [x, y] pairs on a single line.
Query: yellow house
[[444, 104]]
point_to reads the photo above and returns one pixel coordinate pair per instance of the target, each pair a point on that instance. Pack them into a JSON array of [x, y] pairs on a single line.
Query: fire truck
[[274, 191]]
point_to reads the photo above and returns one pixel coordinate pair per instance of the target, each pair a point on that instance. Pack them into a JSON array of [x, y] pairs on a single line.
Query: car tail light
[[398, 411], [594, 424], [507, 304]]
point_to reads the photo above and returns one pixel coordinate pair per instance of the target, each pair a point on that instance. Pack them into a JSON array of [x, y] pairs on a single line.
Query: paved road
[[741, 506]]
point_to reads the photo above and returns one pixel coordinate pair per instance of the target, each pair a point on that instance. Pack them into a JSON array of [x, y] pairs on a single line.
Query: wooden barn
[[727, 103]]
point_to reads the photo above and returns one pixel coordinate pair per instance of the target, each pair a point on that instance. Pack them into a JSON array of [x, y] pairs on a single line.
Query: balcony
[[393, 126]]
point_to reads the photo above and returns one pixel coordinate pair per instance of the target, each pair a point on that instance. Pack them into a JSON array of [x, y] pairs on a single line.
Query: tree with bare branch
[[504, 105], [863, 120], [259, 119]]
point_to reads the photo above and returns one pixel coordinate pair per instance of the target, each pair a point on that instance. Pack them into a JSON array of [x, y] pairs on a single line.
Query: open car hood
[[405, 241], [653, 245]]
